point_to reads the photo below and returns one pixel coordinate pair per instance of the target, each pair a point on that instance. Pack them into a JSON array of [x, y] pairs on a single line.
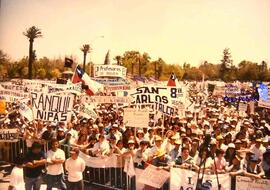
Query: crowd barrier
[[109, 176]]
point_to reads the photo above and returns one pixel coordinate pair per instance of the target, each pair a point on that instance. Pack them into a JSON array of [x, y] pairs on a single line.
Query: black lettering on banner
[[158, 98], [40, 101], [173, 92], [50, 115], [189, 180], [165, 100], [34, 97]]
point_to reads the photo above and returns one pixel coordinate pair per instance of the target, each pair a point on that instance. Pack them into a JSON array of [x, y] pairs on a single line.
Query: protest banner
[[219, 91], [110, 71], [244, 183], [164, 99], [111, 81], [106, 99], [242, 107], [182, 179], [154, 177], [2, 106], [26, 112], [88, 112], [9, 135], [136, 118], [97, 162], [52, 88], [50, 107], [113, 88], [12, 96]]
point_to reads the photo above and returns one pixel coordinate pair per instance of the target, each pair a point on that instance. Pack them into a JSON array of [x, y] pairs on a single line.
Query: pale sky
[[176, 30]]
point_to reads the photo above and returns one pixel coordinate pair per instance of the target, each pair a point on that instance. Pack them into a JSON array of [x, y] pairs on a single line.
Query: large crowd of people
[[215, 135]]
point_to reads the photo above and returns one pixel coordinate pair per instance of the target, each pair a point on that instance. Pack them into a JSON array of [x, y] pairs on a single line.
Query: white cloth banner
[[88, 112], [52, 88], [9, 135], [26, 112], [51, 107], [186, 179], [106, 99], [12, 96], [244, 183], [136, 118], [110, 71], [113, 161], [154, 177]]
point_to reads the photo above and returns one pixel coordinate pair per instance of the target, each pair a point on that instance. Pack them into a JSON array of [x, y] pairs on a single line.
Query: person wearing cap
[[139, 136], [258, 149], [230, 153], [35, 161], [75, 167], [55, 172], [158, 147], [253, 168], [169, 142], [176, 151], [16, 177]]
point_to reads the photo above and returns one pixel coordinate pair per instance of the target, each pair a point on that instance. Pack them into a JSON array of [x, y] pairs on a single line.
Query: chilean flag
[[92, 87], [172, 80]]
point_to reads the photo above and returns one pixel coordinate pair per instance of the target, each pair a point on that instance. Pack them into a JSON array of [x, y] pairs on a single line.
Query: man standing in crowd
[[55, 171], [35, 162], [75, 167]]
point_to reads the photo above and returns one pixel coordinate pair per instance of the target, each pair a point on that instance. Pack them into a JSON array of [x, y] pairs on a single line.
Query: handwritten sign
[[136, 118], [154, 177], [9, 135], [244, 183]]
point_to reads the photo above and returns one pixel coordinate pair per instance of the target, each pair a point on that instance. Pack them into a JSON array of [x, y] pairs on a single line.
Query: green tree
[[31, 33], [41, 73], [55, 73], [211, 71], [226, 66], [85, 49], [4, 62]]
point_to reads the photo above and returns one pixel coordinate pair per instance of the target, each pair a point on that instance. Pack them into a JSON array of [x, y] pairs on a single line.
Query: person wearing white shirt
[[258, 149], [102, 147], [75, 167], [55, 171], [16, 177]]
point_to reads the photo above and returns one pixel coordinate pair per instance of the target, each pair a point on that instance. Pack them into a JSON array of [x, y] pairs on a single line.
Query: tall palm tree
[[31, 33], [85, 49]]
